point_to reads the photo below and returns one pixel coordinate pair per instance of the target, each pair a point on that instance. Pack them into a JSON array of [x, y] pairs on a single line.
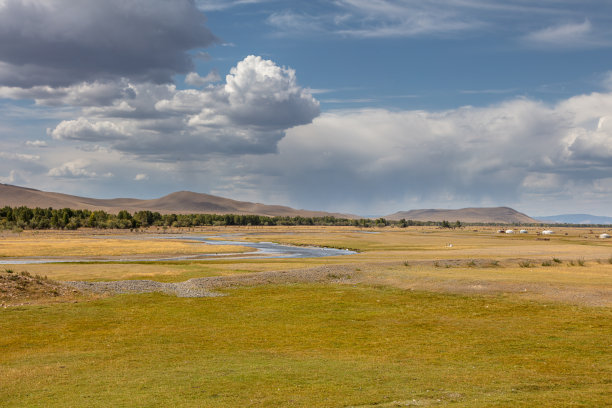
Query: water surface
[[261, 250]]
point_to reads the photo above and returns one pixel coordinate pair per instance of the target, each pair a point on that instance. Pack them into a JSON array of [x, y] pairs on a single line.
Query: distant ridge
[[576, 219], [181, 202], [501, 215]]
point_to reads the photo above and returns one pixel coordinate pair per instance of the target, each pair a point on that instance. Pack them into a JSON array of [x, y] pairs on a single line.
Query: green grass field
[[306, 346], [413, 333]]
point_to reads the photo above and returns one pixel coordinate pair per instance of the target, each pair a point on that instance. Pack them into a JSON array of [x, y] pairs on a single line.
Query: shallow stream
[[261, 250]]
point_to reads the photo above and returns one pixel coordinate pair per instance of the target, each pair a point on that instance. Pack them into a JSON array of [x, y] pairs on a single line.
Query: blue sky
[[368, 107], [480, 53]]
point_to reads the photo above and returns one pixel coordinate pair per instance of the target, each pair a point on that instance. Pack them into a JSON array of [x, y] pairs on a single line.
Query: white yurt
[[604, 235], [523, 231], [548, 232], [509, 231]]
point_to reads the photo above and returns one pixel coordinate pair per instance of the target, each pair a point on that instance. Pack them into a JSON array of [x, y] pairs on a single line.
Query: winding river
[[261, 250]]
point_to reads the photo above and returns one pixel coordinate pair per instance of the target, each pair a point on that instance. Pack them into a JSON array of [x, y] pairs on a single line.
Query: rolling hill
[[503, 215], [181, 202], [187, 202]]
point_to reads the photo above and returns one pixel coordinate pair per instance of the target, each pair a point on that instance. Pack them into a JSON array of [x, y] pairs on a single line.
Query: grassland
[[492, 320], [71, 245]]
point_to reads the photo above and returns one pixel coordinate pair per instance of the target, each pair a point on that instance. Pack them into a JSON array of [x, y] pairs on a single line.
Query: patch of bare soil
[[22, 288]]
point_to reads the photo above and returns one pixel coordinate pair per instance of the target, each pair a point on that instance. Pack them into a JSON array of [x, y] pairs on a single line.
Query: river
[[261, 250]]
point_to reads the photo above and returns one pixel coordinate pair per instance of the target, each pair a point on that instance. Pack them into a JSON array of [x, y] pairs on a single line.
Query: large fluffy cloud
[[260, 93], [378, 155], [247, 114], [64, 42], [520, 152]]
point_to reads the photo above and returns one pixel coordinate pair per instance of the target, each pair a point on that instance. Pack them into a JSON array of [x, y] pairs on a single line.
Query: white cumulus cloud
[[194, 79], [517, 151], [36, 143], [83, 129], [593, 144], [264, 94], [78, 168], [249, 113]]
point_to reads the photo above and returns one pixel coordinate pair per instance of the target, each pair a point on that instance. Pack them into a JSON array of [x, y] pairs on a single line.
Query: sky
[[358, 106]]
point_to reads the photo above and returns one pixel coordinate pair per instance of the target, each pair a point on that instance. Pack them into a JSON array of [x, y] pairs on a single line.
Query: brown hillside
[[182, 202], [502, 215]]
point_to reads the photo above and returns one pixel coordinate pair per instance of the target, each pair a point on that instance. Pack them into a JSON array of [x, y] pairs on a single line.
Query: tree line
[[66, 218]]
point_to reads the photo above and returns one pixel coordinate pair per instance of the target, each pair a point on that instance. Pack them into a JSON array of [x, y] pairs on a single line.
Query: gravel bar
[[205, 287]]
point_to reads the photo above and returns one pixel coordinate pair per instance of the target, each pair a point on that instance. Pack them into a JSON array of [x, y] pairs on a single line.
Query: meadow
[[421, 316], [79, 245]]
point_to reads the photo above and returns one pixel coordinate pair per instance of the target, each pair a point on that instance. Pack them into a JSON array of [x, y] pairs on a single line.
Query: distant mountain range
[[504, 215], [576, 219], [187, 202], [182, 202]]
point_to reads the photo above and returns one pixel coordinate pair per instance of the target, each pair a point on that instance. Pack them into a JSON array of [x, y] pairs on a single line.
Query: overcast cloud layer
[[111, 99]]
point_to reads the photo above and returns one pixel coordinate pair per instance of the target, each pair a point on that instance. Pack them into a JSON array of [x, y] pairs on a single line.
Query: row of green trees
[[66, 218]]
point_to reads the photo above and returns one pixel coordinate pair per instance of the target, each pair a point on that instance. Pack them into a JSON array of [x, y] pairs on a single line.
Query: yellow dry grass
[[159, 271], [588, 285], [76, 246], [417, 257], [433, 243]]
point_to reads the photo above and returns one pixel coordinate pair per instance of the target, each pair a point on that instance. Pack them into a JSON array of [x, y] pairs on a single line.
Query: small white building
[[604, 235], [509, 231], [523, 232], [548, 232]]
